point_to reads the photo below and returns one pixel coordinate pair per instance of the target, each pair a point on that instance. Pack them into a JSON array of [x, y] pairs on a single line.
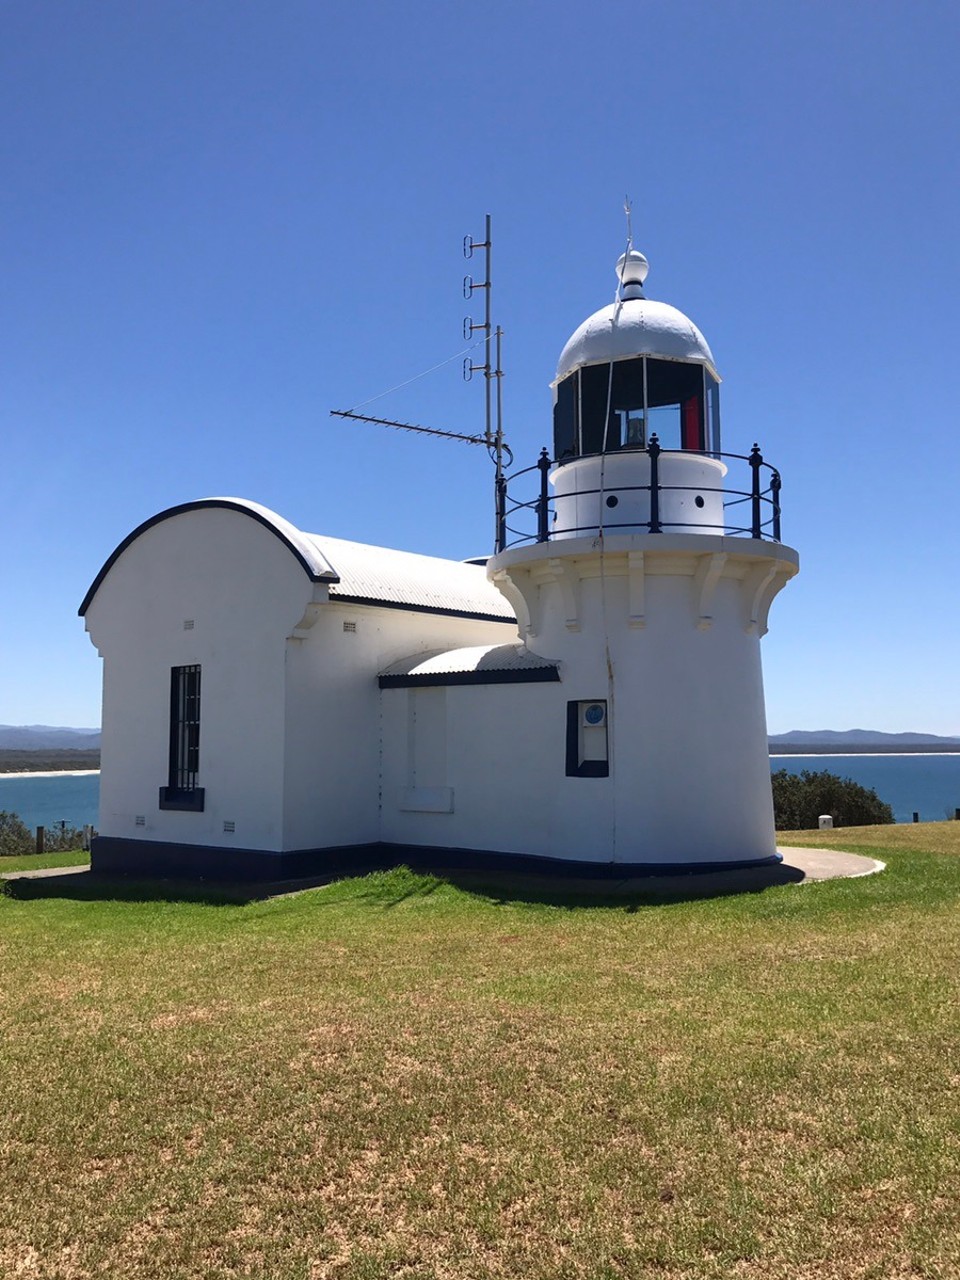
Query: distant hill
[[838, 741], [53, 760], [853, 736], [45, 737]]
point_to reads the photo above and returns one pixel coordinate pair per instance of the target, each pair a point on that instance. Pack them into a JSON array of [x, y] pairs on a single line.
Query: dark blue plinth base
[[154, 859]]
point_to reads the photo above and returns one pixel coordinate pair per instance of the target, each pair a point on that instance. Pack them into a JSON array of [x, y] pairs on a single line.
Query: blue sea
[[925, 784], [46, 800]]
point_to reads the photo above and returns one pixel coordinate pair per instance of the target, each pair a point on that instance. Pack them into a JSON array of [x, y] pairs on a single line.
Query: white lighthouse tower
[[654, 566], [279, 703]]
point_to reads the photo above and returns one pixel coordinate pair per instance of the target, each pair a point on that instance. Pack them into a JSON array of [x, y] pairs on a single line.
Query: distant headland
[[42, 748], [850, 742]]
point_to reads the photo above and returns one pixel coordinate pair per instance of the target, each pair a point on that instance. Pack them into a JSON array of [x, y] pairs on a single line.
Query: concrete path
[[825, 864], [799, 866], [41, 873]]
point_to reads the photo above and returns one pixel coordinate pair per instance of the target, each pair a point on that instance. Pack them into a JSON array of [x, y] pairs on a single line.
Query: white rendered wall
[[332, 743], [584, 489], [666, 629], [244, 593], [289, 725], [504, 772]]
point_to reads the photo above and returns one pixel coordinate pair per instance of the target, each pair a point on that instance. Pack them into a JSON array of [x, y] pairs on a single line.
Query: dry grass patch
[[927, 837]]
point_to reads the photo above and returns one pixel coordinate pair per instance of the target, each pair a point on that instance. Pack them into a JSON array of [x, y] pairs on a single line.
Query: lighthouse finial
[[632, 266]]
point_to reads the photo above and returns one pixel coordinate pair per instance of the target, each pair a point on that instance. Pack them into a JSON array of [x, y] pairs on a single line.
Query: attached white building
[[278, 703]]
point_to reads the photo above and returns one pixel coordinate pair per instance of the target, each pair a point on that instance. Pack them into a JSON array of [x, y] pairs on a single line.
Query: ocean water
[[924, 784], [927, 784], [46, 800]]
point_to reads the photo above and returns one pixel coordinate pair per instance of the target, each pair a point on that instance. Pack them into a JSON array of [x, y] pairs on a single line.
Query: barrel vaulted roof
[[354, 571]]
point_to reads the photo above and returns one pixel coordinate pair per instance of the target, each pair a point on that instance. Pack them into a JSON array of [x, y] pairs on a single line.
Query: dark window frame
[[182, 791], [577, 768]]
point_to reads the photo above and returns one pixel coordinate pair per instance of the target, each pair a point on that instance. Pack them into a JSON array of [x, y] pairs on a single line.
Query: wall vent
[[188, 624], [349, 626], [229, 827], [140, 820]]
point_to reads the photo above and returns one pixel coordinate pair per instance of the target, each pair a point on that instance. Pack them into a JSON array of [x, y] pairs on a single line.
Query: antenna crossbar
[[407, 426]]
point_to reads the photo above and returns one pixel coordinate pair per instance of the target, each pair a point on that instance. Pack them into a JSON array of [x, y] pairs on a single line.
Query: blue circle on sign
[[594, 714]]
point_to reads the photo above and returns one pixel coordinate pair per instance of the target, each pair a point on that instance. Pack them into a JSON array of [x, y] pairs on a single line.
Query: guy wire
[[400, 385]]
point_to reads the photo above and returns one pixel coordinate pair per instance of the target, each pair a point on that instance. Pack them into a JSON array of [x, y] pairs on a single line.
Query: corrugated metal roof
[[482, 657], [399, 578]]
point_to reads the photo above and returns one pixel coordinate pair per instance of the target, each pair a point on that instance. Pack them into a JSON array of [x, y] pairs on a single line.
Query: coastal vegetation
[[800, 798], [17, 840], [408, 1076]]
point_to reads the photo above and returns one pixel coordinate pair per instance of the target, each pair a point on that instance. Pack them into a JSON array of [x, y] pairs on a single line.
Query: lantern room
[[635, 369], [636, 381]]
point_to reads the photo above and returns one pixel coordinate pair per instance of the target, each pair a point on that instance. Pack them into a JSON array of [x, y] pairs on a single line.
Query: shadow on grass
[[626, 895], [391, 886], [88, 887], [418, 879]]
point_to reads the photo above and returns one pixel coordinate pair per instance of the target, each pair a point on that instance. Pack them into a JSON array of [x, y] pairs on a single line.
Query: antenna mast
[[492, 370], [470, 286], [492, 347]]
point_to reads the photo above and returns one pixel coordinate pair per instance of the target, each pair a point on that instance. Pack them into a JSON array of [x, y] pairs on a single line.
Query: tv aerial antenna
[[492, 370]]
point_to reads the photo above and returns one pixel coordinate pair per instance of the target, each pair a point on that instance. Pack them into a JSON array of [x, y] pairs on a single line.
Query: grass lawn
[[397, 1077]]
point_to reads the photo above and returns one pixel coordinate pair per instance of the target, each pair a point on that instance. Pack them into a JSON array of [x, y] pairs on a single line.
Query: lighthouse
[[649, 582], [588, 699]]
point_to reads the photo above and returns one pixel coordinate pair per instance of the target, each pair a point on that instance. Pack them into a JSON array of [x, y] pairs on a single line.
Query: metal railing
[[763, 497]]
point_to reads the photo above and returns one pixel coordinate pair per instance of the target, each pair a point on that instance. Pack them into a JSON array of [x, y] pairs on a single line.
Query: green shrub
[[16, 838], [61, 837], [800, 798]]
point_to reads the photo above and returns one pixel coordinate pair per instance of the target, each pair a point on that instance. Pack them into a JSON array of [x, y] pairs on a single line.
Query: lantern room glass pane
[[618, 388], [602, 408], [713, 413], [565, 420], [675, 403], [594, 392]]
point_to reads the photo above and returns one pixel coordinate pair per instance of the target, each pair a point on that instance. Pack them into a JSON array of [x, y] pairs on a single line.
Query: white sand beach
[[51, 773]]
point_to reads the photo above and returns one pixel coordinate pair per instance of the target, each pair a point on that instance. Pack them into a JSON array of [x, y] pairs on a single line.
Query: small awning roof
[[477, 664]]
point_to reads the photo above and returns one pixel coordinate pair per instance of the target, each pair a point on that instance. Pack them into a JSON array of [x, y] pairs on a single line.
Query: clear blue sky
[[221, 219]]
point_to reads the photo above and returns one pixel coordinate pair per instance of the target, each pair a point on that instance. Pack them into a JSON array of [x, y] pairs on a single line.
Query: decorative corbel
[[319, 597], [773, 588], [636, 590], [705, 581], [755, 596], [569, 584], [517, 601]]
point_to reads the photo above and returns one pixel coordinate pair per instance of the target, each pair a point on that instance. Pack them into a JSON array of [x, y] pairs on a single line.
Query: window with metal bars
[[182, 791]]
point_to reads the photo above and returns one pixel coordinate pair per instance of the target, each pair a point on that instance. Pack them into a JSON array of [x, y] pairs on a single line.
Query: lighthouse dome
[[634, 326]]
